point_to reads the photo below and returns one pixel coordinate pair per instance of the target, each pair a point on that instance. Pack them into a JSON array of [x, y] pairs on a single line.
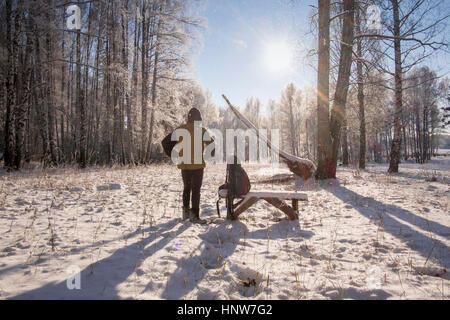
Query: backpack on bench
[[237, 185]]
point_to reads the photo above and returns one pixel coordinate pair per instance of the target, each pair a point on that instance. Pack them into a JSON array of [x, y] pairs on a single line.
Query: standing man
[[192, 172]]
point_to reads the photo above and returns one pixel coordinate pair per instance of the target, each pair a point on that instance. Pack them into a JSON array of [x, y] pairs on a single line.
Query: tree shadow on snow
[[77, 250], [100, 279], [423, 243]]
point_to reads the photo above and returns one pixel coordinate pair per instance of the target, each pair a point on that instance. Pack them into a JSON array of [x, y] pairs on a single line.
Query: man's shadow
[[217, 245], [427, 246], [100, 279]]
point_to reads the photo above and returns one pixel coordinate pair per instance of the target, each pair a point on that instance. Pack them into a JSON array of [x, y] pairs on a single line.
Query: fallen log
[[279, 178]]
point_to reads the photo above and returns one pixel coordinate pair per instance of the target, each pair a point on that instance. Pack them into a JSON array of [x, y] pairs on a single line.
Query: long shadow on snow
[[218, 244], [100, 279], [425, 245], [79, 249]]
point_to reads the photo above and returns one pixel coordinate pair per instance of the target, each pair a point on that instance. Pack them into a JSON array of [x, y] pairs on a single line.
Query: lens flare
[[277, 57]]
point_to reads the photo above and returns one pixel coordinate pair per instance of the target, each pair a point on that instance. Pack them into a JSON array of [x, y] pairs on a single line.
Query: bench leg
[[295, 204], [291, 212], [279, 204], [244, 205]]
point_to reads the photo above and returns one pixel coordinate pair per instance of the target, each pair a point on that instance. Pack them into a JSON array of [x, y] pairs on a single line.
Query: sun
[[277, 57]]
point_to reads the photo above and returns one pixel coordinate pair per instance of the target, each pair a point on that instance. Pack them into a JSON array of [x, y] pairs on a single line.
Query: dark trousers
[[192, 180]]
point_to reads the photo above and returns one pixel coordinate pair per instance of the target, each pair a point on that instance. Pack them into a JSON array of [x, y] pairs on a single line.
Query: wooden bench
[[275, 198]]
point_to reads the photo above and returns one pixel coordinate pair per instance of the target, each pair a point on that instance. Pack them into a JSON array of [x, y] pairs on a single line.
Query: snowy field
[[367, 235]]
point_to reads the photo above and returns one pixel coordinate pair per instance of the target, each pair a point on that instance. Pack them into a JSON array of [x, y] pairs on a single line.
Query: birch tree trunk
[[49, 86], [345, 155], [323, 91], [397, 140], [154, 83], [11, 43], [23, 106], [361, 107], [39, 100], [80, 106], [144, 75], [342, 85]]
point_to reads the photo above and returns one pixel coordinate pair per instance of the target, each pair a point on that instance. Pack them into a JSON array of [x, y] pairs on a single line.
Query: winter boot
[[195, 217], [186, 213]]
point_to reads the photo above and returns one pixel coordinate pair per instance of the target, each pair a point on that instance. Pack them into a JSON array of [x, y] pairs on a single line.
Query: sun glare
[[277, 57]]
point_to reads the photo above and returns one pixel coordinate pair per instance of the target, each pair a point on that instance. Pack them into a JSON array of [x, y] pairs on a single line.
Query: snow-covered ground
[[367, 235]]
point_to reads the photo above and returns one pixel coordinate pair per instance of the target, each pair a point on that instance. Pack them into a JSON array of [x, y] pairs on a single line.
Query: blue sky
[[231, 60], [232, 57]]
